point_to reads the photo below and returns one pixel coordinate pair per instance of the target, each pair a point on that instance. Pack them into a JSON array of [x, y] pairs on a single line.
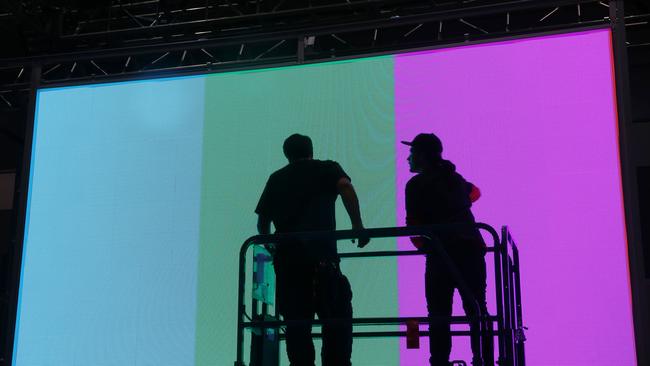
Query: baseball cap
[[426, 143]]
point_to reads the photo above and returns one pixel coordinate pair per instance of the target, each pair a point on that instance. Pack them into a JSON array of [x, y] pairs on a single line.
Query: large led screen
[[141, 194]]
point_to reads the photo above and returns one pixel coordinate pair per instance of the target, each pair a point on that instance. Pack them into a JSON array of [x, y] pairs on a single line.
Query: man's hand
[[363, 240], [474, 193]]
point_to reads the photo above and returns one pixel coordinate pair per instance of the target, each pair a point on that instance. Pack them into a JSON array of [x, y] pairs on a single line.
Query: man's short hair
[[298, 147]]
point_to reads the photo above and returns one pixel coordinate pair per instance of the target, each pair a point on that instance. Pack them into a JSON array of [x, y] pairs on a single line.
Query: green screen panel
[[347, 110]]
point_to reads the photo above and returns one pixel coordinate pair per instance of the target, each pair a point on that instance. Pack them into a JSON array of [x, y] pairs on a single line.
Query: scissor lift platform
[[506, 325]]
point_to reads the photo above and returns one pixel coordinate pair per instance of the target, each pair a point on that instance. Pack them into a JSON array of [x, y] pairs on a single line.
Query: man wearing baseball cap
[[437, 194]]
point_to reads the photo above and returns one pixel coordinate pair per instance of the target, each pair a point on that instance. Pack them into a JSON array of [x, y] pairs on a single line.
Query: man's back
[[301, 197], [441, 196]]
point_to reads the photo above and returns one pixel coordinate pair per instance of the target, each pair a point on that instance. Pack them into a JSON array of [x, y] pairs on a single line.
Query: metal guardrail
[[509, 328]]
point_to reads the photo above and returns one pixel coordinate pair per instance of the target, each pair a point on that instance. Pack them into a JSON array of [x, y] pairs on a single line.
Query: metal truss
[[118, 39], [159, 37]]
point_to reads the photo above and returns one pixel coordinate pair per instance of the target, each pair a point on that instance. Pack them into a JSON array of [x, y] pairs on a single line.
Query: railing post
[[241, 308], [520, 337], [499, 300], [507, 306]]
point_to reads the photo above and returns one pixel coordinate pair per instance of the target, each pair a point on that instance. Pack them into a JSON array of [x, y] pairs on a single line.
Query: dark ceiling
[[93, 39], [37, 28]]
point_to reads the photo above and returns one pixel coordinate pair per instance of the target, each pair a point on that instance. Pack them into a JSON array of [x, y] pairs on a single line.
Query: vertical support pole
[[301, 49], [507, 309], [256, 352], [255, 310], [520, 346], [630, 190], [254, 302], [513, 305], [22, 193], [498, 284], [241, 307]]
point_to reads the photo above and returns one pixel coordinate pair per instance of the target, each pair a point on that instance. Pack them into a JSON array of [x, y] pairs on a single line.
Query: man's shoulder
[[325, 162], [412, 185], [328, 166], [415, 180], [418, 183], [280, 174]]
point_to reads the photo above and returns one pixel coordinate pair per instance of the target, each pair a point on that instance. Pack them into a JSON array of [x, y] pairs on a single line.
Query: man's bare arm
[[351, 203]]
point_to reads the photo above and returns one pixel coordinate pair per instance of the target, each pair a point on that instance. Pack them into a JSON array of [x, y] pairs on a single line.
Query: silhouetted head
[[426, 151], [298, 147]]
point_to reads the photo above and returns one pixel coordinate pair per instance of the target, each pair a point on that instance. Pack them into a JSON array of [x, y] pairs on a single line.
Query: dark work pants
[[439, 294], [304, 290]]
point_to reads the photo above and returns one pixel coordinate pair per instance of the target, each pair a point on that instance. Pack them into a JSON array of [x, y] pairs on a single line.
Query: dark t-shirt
[[441, 196], [301, 197]]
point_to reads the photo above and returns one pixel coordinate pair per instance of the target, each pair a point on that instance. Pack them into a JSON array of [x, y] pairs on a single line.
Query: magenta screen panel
[[533, 124]]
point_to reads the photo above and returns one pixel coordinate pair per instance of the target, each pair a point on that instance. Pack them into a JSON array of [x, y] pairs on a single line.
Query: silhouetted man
[[301, 197], [437, 194]]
